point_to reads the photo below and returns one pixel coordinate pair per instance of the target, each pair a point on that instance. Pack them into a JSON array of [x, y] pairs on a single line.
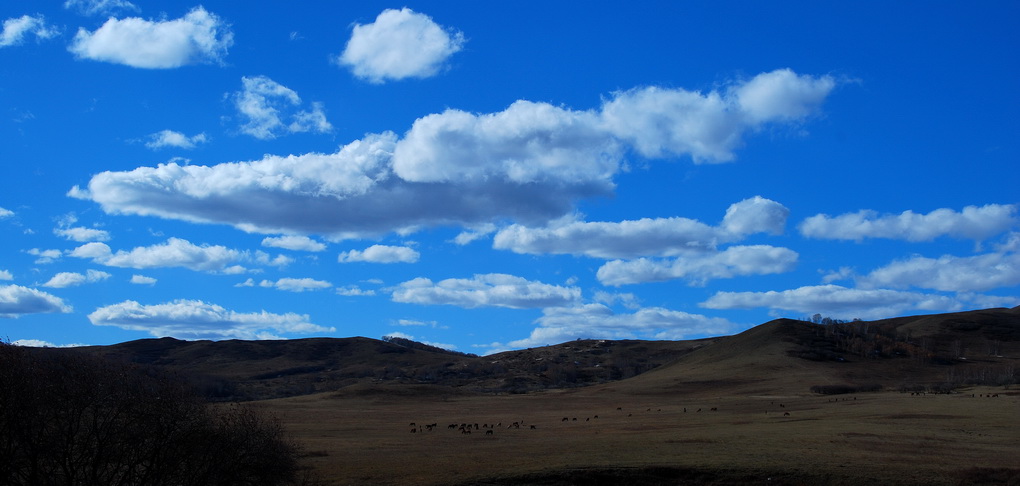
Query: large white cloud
[[528, 164], [949, 273], [16, 300], [380, 254], [973, 222], [16, 29], [836, 301], [195, 319], [659, 237], [72, 279], [176, 252], [198, 37], [399, 44], [596, 321], [489, 290], [699, 268], [270, 109]]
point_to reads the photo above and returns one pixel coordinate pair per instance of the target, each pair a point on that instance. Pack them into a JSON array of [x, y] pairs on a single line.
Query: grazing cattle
[[488, 432], [566, 419], [533, 427], [714, 409], [786, 414], [414, 430]]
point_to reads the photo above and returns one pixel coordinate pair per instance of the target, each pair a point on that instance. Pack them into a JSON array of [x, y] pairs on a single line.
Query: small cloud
[[142, 280], [354, 291], [198, 37], [100, 7], [82, 235], [5, 275], [489, 290], [399, 44], [45, 256], [293, 242], [296, 284], [6, 213], [71, 279], [170, 138], [381, 254], [36, 343]]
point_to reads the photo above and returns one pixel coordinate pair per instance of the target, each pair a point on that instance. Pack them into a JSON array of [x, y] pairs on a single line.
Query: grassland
[[626, 438]]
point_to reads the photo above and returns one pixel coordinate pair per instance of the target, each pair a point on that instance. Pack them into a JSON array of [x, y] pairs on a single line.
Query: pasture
[[606, 435]]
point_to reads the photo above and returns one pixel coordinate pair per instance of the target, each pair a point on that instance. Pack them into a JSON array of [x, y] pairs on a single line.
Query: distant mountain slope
[[900, 353]]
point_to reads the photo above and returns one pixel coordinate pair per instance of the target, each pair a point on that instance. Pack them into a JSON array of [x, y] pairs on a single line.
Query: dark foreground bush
[[71, 419]]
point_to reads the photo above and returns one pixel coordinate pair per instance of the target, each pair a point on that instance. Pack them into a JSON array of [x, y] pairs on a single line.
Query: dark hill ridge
[[941, 350]]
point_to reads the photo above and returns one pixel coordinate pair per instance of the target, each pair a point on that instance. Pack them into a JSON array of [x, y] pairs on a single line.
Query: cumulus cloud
[[17, 29], [38, 343], [176, 252], [489, 290], [528, 164], [948, 273], [16, 300], [698, 269], [198, 37], [380, 254], [6, 213], [836, 301], [170, 138], [195, 319], [596, 321], [645, 237], [293, 242], [100, 7], [72, 279], [6, 275], [973, 222], [270, 109], [142, 280], [399, 44], [662, 122]]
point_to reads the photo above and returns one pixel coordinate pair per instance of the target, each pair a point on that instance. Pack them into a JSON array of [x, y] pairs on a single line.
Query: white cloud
[[644, 237], [100, 7], [528, 164], [280, 261], [266, 106], [72, 279], [16, 300], [81, 234], [16, 29], [489, 290], [198, 37], [663, 122], [700, 268], [293, 242], [45, 256], [354, 291], [836, 301], [6, 213], [948, 273], [399, 44], [596, 321], [6, 275], [380, 254], [973, 222], [195, 319], [176, 252], [142, 280], [296, 284], [474, 233], [170, 138]]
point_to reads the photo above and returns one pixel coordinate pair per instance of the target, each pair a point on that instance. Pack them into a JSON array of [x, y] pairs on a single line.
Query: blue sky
[[487, 176]]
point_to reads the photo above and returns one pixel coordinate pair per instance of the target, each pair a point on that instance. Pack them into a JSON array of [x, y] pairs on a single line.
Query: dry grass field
[[626, 438]]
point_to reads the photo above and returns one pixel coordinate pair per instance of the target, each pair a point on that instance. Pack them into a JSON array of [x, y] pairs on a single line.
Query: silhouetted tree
[[71, 419]]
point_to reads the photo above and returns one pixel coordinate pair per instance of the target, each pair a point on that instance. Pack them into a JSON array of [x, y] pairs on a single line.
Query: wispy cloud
[[270, 110], [100, 7], [170, 138], [380, 254], [489, 290], [15, 30]]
